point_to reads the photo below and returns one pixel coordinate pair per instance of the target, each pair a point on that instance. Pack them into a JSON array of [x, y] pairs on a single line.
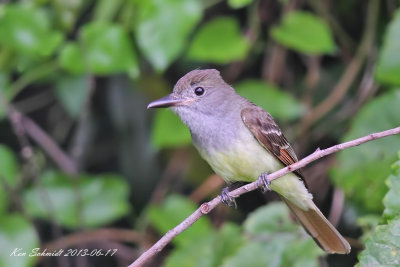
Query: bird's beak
[[165, 102]]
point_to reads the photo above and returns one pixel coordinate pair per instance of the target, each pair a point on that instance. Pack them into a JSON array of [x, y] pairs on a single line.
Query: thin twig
[[337, 206], [48, 145], [205, 208]]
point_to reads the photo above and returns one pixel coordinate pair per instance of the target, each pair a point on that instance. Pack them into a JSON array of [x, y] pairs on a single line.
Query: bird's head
[[199, 90]]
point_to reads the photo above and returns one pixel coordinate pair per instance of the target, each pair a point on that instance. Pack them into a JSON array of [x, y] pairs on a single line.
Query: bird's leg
[[226, 198], [263, 182]]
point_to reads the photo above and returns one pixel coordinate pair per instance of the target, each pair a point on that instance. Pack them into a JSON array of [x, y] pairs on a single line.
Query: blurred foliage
[[4, 85], [388, 67], [382, 247], [269, 238], [27, 31], [84, 72], [391, 200], [17, 235], [8, 166], [168, 130], [103, 48], [9, 169], [304, 32], [212, 43], [370, 164], [173, 211], [239, 3], [72, 92], [162, 28], [89, 201], [281, 105]]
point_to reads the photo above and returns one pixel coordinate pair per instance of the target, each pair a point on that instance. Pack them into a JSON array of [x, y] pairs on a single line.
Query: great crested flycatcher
[[242, 142]]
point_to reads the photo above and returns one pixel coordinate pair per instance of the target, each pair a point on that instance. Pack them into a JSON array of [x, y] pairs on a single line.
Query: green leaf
[[270, 219], [106, 10], [163, 26], [98, 200], [5, 91], [4, 201], [238, 3], [368, 222], [103, 48], [369, 164], [208, 250], [227, 242], [168, 130], [9, 171], [270, 239], [301, 253], [383, 246], [71, 58], [66, 12], [257, 254], [26, 29], [305, 33], [172, 212], [198, 253], [279, 250], [17, 236], [104, 197], [392, 197], [388, 67], [277, 102], [107, 49], [219, 41], [9, 166], [72, 92], [275, 241]]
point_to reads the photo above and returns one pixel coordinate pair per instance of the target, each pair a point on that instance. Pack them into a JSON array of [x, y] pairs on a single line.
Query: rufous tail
[[321, 230]]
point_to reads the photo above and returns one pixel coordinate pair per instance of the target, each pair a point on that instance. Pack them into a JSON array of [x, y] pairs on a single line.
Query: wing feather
[[268, 134]]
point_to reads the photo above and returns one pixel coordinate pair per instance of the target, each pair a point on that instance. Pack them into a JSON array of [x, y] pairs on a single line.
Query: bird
[[243, 143]]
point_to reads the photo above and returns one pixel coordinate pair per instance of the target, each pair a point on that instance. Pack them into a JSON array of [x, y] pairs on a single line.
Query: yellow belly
[[246, 161]]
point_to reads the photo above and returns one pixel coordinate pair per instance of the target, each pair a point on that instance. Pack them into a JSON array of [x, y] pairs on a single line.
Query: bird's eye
[[199, 91]]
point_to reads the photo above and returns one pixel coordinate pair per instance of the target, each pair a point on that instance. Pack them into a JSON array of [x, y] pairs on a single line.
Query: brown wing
[[267, 132]]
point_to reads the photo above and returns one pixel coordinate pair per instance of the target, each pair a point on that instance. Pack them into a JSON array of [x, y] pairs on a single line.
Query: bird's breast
[[238, 157]]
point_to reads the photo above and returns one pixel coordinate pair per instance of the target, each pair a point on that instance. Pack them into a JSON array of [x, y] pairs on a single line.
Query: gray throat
[[216, 128]]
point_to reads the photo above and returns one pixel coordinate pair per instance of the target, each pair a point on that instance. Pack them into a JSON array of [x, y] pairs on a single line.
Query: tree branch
[[209, 206], [61, 159]]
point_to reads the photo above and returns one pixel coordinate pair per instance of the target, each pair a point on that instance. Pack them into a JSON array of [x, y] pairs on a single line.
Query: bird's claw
[[264, 183], [227, 199]]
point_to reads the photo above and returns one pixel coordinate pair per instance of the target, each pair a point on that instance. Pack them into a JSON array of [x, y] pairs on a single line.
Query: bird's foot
[[227, 199], [264, 183]]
